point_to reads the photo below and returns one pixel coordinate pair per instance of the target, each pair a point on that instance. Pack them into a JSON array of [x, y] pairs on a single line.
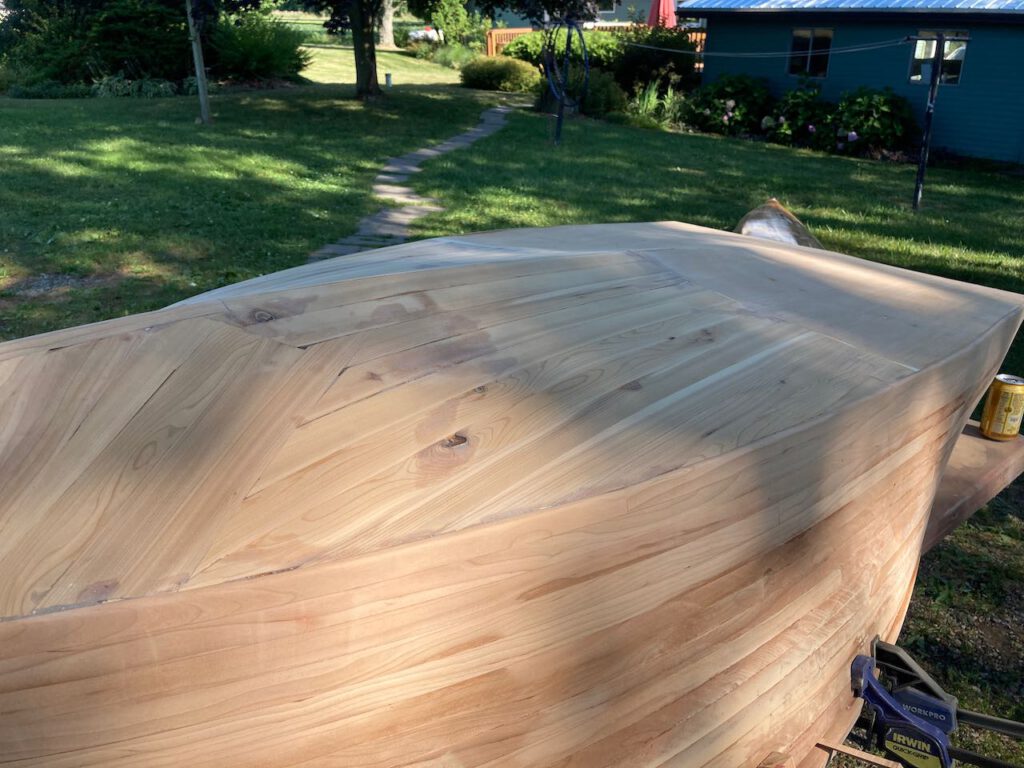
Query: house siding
[[982, 116]]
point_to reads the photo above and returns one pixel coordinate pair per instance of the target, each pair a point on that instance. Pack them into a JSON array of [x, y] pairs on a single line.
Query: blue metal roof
[[955, 6]]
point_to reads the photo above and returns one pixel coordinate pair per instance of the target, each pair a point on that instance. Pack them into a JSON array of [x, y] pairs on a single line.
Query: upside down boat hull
[[618, 495]]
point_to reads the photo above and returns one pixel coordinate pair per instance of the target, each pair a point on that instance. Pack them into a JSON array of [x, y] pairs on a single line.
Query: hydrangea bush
[[865, 121]]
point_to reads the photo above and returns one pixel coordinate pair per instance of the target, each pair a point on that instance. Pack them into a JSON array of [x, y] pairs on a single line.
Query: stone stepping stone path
[[390, 226]]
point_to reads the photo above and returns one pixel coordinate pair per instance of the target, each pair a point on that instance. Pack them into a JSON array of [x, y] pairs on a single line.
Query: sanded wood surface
[[596, 496]]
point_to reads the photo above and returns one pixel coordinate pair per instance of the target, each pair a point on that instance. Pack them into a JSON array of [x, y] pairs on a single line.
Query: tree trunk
[[363, 33], [387, 24], [197, 58]]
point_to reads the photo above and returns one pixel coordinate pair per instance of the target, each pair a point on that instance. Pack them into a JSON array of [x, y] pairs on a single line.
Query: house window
[[809, 53], [953, 54]]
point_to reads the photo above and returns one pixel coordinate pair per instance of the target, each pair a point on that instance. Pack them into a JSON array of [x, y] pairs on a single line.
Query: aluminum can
[[1004, 407]]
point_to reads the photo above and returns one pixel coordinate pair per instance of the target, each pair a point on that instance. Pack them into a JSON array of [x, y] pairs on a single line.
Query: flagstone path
[[390, 226]]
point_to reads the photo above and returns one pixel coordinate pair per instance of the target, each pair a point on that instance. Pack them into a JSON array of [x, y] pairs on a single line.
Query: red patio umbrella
[[663, 13]]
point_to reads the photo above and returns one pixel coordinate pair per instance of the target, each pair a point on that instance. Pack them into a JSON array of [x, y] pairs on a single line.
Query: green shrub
[[634, 121], [636, 66], [603, 95], [454, 56], [802, 119], [422, 49], [733, 105], [141, 39], [75, 42], [50, 89], [451, 17], [50, 48], [500, 74], [8, 76], [190, 86], [603, 49], [115, 86], [646, 102], [663, 109], [868, 120], [255, 46], [673, 106]]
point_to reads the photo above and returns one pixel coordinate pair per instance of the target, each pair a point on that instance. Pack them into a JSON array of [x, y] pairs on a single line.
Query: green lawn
[[140, 207], [969, 228], [335, 64], [313, 25]]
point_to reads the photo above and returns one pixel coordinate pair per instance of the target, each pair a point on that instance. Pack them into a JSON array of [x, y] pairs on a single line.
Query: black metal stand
[[929, 111]]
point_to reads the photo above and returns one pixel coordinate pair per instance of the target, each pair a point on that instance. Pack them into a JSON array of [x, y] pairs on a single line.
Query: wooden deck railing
[[497, 39]]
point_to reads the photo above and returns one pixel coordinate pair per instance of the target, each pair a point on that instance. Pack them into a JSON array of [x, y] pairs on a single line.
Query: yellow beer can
[[1004, 407]]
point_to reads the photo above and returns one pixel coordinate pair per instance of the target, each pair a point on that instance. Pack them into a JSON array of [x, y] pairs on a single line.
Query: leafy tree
[[361, 17], [75, 41], [540, 11]]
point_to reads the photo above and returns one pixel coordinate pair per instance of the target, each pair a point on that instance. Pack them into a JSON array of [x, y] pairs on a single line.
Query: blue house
[[844, 44]]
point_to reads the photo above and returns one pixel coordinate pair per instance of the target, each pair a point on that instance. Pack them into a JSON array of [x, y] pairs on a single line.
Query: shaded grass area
[[967, 615], [135, 206], [969, 229]]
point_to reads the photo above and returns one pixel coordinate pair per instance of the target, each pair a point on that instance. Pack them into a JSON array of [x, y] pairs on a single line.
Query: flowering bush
[[733, 104], [864, 122], [867, 120], [801, 119]]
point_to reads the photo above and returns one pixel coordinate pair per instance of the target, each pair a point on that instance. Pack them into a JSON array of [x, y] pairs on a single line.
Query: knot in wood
[[261, 316], [453, 440]]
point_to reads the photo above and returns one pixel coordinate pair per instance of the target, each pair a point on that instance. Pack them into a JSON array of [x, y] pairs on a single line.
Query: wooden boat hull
[[700, 614]]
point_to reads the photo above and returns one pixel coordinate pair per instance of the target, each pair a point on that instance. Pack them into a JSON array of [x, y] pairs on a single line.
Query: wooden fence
[[497, 39]]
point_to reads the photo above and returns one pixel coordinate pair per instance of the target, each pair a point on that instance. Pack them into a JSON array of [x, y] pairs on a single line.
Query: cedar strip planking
[[607, 495]]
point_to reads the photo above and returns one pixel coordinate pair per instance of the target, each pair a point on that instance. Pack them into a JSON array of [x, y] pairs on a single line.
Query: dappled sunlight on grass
[[968, 229], [135, 189]]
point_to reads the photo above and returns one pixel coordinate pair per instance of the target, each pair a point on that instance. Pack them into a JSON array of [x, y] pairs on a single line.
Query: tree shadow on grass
[[134, 193]]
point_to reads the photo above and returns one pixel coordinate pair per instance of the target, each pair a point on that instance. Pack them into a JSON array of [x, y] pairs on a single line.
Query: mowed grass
[[969, 228], [135, 206], [313, 25], [336, 65]]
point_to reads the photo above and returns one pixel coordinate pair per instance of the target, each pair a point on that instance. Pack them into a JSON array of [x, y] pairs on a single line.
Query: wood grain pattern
[[627, 495]]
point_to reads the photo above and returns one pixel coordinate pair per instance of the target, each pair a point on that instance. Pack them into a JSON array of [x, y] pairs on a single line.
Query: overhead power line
[[780, 54]]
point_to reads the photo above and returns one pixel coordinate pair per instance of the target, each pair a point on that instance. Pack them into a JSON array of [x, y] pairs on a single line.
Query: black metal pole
[[929, 111], [565, 84]]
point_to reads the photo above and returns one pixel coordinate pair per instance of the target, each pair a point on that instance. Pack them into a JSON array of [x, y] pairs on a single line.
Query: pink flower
[[725, 118], [852, 136], [811, 129]]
